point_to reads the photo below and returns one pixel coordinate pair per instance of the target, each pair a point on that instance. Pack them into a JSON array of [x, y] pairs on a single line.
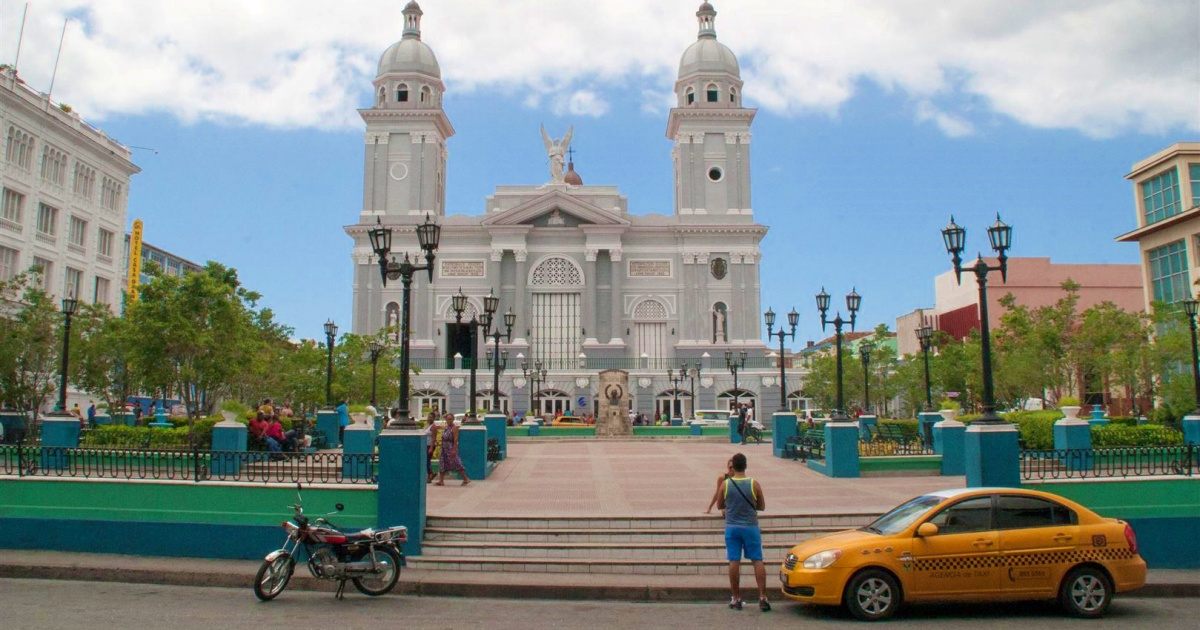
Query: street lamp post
[[1190, 308], [925, 336], [331, 330], [793, 320], [1000, 236], [735, 366], [459, 304], [498, 360], [428, 236], [853, 302], [693, 373], [534, 378], [676, 381], [69, 304], [375, 349], [864, 352]]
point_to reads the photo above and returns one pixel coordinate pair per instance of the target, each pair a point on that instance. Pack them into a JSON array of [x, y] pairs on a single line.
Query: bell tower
[[710, 128], [407, 129]]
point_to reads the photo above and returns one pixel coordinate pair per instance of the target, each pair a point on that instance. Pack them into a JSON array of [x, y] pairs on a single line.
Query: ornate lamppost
[[459, 304], [735, 366], [693, 372], [925, 336], [853, 302], [1000, 236], [864, 352], [428, 236], [498, 360], [375, 349], [331, 330], [676, 381], [793, 320], [1190, 308], [69, 304], [535, 378]]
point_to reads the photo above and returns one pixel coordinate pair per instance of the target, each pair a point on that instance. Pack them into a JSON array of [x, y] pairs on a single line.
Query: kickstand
[[341, 589]]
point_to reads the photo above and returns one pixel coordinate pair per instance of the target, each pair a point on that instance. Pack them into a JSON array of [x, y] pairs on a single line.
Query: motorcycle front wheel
[[383, 582], [272, 577]]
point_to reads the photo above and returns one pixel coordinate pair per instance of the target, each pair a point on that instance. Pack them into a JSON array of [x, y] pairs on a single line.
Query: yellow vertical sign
[[135, 259]]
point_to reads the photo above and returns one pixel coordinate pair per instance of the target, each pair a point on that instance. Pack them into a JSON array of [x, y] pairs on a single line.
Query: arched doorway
[[483, 402], [555, 320], [551, 402], [672, 402], [427, 400], [743, 396], [797, 401]]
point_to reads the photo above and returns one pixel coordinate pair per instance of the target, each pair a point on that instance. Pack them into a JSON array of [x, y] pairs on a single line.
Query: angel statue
[[557, 151]]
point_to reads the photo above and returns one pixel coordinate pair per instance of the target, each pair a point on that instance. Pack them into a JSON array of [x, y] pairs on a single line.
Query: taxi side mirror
[[925, 530]]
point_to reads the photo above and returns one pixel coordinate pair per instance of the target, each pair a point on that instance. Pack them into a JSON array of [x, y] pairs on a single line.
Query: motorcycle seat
[[363, 536]]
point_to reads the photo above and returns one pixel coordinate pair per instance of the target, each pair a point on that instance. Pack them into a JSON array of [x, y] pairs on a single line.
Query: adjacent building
[[592, 286], [1167, 202], [63, 198]]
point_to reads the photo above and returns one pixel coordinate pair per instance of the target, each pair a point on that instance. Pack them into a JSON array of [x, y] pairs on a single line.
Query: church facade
[[592, 287]]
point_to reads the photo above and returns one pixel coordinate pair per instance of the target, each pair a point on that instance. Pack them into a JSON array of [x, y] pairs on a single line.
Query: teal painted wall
[[1164, 513]]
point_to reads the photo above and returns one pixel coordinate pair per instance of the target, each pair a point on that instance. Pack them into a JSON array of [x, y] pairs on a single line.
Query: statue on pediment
[[556, 150]]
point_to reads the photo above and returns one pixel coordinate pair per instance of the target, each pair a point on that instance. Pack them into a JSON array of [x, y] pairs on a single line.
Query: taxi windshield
[[901, 517]]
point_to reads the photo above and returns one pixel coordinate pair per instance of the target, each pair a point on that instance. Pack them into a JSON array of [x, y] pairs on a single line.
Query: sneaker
[[735, 604], [764, 605]]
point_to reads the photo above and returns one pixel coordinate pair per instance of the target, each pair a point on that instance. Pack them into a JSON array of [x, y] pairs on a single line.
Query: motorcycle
[[370, 559]]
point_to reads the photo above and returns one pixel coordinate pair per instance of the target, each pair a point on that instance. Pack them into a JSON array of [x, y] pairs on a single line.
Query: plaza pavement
[[567, 477]]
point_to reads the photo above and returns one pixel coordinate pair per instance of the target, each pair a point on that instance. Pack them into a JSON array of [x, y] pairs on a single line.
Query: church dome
[[707, 55], [571, 177], [410, 54]]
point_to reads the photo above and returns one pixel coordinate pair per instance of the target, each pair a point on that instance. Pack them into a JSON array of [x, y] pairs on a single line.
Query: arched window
[[733, 95], [650, 330], [382, 95], [426, 94], [402, 93], [427, 400], [714, 93], [556, 271], [691, 96], [391, 320]]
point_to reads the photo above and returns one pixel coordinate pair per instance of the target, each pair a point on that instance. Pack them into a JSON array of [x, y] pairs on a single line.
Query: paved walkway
[[590, 477]]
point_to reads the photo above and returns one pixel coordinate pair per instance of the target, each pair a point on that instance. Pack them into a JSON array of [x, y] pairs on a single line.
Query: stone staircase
[[614, 545]]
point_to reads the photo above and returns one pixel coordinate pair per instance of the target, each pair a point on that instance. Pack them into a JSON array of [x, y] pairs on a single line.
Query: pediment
[[555, 209]]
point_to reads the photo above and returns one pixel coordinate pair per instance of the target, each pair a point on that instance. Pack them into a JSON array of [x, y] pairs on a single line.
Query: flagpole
[[57, 55]]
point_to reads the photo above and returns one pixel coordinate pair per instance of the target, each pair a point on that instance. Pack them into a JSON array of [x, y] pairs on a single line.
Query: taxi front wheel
[[872, 595], [1086, 592]]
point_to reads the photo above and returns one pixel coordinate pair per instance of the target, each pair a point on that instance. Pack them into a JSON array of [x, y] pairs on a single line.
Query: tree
[[30, 342], [100, 361]]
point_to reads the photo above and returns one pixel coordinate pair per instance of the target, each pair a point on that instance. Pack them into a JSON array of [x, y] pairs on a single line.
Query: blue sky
[[859, 156]]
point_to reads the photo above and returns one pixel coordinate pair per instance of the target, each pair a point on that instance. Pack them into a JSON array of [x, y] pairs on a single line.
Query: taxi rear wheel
[[1086, 592], [872, 595]]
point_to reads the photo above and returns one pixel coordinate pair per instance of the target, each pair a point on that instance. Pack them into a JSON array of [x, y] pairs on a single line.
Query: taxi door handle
[[1063, 538], [983, 543]]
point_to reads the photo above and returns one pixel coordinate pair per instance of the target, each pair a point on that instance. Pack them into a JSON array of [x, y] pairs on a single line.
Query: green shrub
[[1125, 421], [1162, 415], [947, 404], [1146, 435], [909, 427], [967, 418], [233, 406], [121, 436], [1068, 401], [1036, 427]]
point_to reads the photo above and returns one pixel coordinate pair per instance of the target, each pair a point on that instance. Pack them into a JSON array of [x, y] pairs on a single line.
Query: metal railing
[[187, 465], [893, 448], [1130, 461]]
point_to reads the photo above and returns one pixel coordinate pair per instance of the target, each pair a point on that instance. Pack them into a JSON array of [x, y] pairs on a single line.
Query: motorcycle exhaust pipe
[[364, 566]]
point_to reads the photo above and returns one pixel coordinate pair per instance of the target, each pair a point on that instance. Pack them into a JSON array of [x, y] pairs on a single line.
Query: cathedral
[[591, 286]]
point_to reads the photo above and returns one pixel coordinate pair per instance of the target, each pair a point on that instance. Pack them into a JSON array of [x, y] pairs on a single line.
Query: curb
[[447, 586]]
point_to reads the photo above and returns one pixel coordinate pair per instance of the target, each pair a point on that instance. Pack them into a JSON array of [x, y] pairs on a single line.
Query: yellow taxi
[[568, 421], [993, 544]]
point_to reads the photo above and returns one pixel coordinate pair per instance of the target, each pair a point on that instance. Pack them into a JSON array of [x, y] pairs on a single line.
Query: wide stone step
[[715, 567], [628, 536], [657, 523], [536, 552]]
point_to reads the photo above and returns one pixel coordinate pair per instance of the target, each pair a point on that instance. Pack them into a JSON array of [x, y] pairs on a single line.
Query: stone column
[[229, 439], [841, 449], [524, 304], [59, 434], [358, 452], [1074, 434], [618, 309], [785, 427], [472, 450], [1191, 429], [327, 424], [402, 484], [590, 298], [497, 427], [948, 441], [704, 312], [992, 456]]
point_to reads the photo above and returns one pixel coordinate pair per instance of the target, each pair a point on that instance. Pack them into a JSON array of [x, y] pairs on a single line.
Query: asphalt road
[[51, 605]]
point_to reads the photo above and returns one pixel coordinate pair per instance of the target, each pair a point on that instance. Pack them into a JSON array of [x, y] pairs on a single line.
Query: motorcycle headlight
[[823, 559]]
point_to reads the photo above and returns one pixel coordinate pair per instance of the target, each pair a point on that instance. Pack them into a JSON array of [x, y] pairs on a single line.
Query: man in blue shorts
[[742, 498]]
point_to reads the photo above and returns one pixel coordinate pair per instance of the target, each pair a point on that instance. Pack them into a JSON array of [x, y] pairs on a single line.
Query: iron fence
[[194, 465], [1131, 461], [893, 448], [662, 364]]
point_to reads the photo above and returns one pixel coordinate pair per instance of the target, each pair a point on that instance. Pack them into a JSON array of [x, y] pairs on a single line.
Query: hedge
[[1145, 435]]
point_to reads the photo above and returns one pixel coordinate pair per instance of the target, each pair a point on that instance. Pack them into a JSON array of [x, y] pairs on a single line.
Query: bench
[[891, 433], [493, 449], [808, 445]]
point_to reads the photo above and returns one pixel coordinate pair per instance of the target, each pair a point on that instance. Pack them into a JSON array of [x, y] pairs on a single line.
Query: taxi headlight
[[823, 559]]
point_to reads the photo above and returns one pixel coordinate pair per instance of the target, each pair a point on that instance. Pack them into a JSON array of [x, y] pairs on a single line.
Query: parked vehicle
[[370, 559], [975, 545], [568, 421], [714, 417]]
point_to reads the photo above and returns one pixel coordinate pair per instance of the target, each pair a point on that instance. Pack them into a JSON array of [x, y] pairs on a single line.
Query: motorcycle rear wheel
[[272, 577], [383, 582]]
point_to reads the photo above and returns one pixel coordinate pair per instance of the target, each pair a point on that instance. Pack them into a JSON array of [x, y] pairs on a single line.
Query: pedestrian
[[343, 413], [372, 411], [91, 413], [75, 411], [742, 498], [431, 440], [449, 461], [742, 422]]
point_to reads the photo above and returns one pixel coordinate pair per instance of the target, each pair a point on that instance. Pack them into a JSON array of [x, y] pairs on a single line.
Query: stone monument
[[613, 419]]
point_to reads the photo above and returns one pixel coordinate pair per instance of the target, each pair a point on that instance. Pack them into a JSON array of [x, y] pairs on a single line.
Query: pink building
[[1034, 282]]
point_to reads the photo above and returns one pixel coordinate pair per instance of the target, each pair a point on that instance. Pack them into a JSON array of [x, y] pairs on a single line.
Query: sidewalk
[[51, 565]]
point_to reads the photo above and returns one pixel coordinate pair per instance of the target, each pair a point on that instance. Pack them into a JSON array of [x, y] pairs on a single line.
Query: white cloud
[[1101, 67]]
